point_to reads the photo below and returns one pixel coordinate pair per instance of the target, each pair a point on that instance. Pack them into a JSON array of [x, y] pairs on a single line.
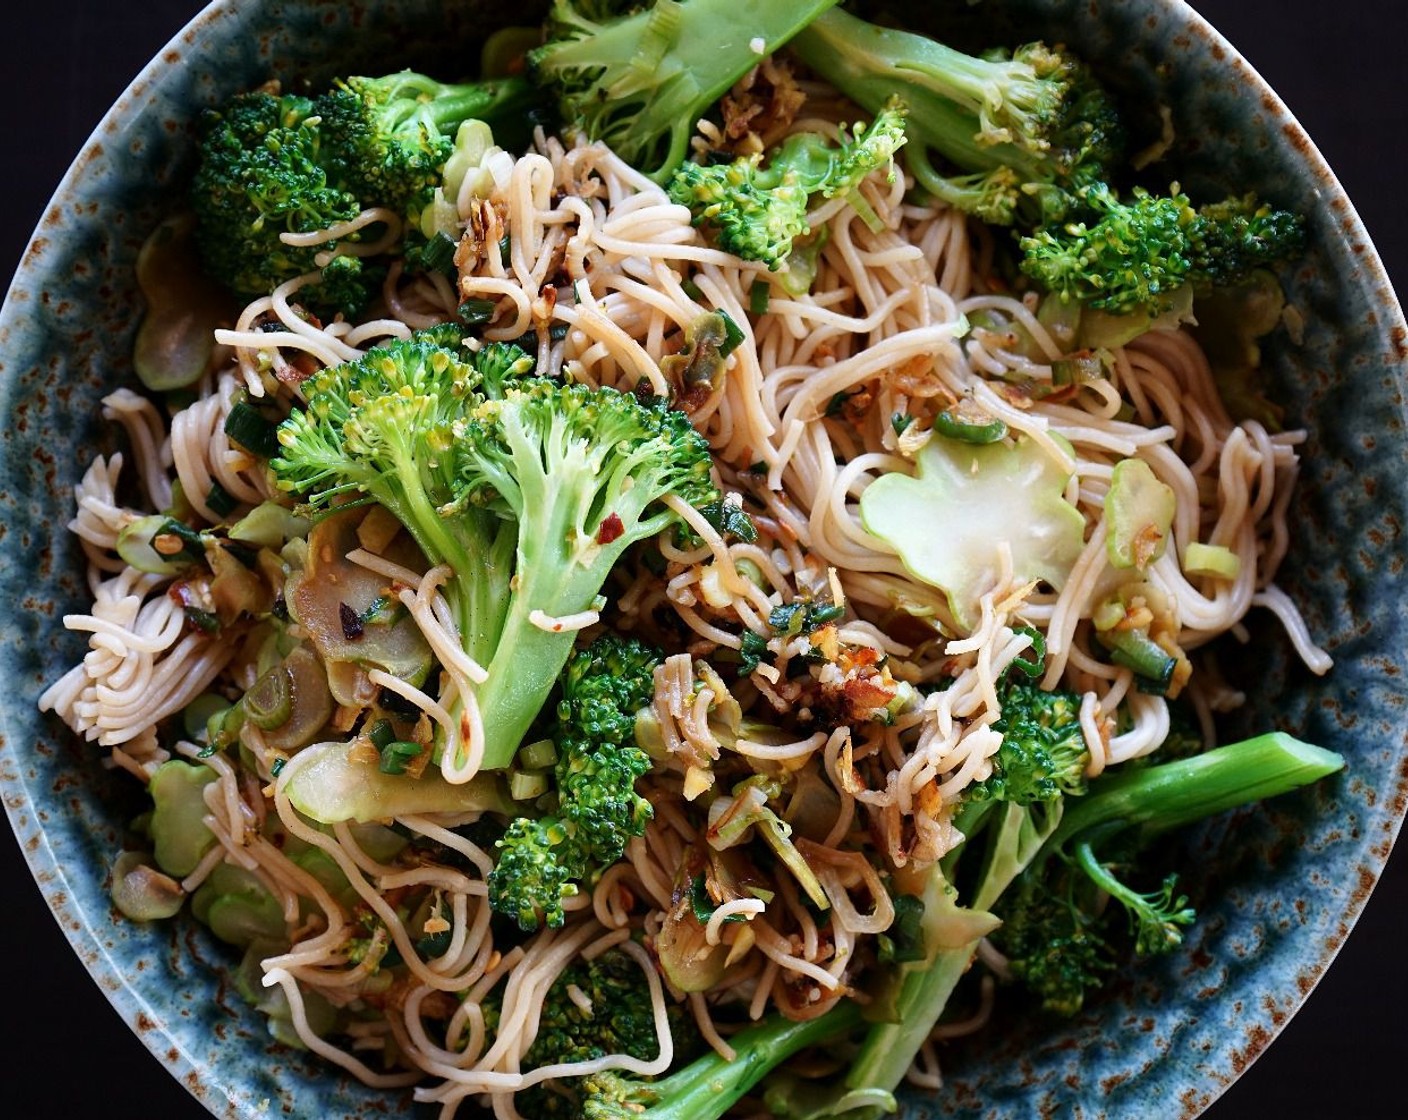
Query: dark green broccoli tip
[[1137, 254], [757, 212], [599, 810], [640, 81], [1007, 137], [387, 138], [1043, 754], [260, 175]]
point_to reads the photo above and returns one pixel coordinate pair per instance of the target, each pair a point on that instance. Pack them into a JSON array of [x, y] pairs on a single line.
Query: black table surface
[[65, 1052]]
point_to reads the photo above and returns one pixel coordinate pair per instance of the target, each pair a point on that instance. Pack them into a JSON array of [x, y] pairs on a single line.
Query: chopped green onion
[[1134, 649], [539, 755], [1076, 370], [477, 312], [901, 421], [691, 289], [733, 335], [505, 248], [967, 423], [220, 501], [526, 785], [1033, 661], [196, 716], [252, 430], [381, 734], [759, 296], [396, 754], [1211, 560], [439, 254]]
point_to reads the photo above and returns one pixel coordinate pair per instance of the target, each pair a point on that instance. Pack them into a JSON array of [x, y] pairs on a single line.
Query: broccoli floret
[[1017, 136], [756, 212], [1138, 253], [260, 175], [640, 82], [1052, 945], [387, 139], [272, 164], [542, 860], [1043, 753], [527, 489]]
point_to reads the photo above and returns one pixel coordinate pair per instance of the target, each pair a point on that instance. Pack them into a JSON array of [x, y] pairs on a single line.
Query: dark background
[[64, 1051]]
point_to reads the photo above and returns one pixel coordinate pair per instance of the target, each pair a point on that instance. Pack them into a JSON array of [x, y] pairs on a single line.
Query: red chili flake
[[351, 622], [610, 529]]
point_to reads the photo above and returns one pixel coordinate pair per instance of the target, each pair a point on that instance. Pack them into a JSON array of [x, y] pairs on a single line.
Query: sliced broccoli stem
[[1159, 798], [708, 1087]]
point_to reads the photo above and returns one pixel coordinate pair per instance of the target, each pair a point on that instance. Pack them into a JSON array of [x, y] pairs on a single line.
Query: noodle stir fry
[[568, 642]]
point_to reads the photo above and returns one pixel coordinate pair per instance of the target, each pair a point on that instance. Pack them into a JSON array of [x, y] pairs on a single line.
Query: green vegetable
[[1056, 923], [1043, 754], [274, 164], [542, 860], [238, 908], [176, 340], [1211, 560], [1139, 510], [1024, 132], [947, 520], [1134, 256], [527, 489], [331, 784], [968, 423], [141, 892], [177, 828], [640, 81], [756, 212]]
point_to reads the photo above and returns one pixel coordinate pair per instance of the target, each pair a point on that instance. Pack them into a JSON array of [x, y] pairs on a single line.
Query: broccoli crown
[[1138, 253], [1009, 137], [387, 138], [538, 865], [639, 78], [1156, 919], [756, 212], [273, 164], [261, 175], [1234, 237], [1043, 754], [621, 1018], [1051, 945], [540, 862]]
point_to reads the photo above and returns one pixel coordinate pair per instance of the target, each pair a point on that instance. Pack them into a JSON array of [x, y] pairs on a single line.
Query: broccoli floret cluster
[[542, 860], [529, 490], [274, 164], [756, 212], [1043, 755]]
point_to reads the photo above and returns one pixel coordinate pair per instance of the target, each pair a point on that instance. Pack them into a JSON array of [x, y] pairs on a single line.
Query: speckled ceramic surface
[[1279, 887]]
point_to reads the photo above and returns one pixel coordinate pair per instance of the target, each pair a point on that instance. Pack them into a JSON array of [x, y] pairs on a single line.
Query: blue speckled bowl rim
[[54, 880]]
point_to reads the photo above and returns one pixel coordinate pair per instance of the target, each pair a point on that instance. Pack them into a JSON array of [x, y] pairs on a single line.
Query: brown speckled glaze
[[1279, 887]]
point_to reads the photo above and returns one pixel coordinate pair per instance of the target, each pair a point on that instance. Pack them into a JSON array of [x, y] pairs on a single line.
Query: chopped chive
[[252, 430], [691, 289], [759, 297], [901, 421], [439, 254], [476, 312], [396, 754], [733, 335], [221, 502]]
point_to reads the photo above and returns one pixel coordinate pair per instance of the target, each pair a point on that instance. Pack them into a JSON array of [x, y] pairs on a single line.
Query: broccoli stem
[[708, 1087], [1159, 798]]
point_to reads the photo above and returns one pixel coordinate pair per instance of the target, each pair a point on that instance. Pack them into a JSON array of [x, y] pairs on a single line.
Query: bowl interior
[[1278, 887]]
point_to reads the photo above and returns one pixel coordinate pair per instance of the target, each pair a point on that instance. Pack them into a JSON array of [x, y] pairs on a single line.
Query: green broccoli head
[[639, 78], [1137, 254], [1043, 755], [757, 212], [599, 810], [387, 138], [1051, 945], [1008, 137], [261, 175], [620, 1019]]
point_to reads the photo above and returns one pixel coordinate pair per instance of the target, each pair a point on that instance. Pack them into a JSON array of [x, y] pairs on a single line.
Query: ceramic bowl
[[1278, 886]]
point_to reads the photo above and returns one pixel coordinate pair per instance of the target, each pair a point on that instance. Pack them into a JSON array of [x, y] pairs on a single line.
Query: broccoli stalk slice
[[708, 1087], [640, 82], [1022, 134]]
